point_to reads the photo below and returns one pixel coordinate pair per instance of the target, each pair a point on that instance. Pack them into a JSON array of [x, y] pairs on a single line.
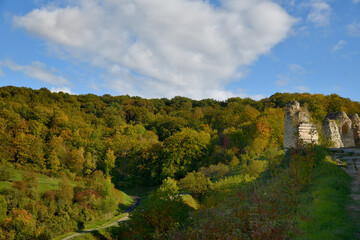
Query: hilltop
[[128, 142]]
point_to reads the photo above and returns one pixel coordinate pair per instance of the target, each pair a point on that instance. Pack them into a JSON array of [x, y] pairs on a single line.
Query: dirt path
[[129, 209], [352, 158]]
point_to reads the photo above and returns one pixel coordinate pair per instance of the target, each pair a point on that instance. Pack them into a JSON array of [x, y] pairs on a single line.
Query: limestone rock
[[356, 128], [297, 126], [331, 132], [345, 130]]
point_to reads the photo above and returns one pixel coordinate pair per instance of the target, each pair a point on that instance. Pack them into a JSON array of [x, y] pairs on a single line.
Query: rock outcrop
[[338, 128], [332, 133], [297, 126], [356, 128]]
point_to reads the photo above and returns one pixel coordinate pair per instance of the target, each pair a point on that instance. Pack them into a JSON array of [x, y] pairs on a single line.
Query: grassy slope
[[316, 212], [45, 182], [190, 201], [324, 203]]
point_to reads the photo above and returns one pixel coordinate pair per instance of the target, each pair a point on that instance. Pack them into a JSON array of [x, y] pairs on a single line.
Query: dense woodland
[[98, 143]]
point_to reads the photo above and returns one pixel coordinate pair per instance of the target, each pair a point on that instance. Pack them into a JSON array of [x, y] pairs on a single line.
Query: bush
[[154, 218], [5, 173], [168, 189], [215, 171], [256, 167], [196, 183]]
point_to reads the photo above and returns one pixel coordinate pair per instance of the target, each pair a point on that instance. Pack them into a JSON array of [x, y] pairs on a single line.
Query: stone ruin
[[297, 126], [339, 128]]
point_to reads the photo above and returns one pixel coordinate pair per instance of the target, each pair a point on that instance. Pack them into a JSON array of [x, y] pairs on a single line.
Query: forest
[[98, 147]]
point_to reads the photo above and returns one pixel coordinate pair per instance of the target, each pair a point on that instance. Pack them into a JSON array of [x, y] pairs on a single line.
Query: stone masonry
[[341, 130], [356, 127], [297, 126]]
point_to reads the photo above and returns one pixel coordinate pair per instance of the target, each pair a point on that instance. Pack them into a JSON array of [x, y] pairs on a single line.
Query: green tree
[[168, 189], [75, 160], [53, 161], [196, 183], [183, 151], [109, 161], [66, 191], [155, 217], [90, 163]]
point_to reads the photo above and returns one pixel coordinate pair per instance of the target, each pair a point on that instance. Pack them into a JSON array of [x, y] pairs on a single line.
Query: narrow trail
[[128, 210], [352, 158]]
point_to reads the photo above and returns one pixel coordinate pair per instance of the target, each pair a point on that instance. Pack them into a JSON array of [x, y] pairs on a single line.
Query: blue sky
[[193, 48]]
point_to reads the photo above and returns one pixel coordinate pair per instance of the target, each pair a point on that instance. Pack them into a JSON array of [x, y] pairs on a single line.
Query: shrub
[[256, 167], [215, 171], [154, 218], [302, 163], [168, 189], [5, 173], [196, 183]]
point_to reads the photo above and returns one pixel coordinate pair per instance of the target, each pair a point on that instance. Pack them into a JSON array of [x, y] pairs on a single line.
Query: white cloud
[[339, 45], [297, 69], [61, 89], [283, 80], [164, 48], [36, 70], [303, 89], [242, 93], [353, 29], [1, 73], [320, 13], [257, 97], [356, 1]]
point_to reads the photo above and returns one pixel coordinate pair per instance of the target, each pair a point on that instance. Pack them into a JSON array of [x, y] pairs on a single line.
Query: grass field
[[45, 182], [324, 205]]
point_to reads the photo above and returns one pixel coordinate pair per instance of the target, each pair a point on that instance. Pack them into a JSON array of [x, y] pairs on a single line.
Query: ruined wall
[[338, 128], [356, 128], [297, 126], [341, 130]]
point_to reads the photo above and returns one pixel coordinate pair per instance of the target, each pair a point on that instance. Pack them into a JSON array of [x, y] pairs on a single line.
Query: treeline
[[143, 141]]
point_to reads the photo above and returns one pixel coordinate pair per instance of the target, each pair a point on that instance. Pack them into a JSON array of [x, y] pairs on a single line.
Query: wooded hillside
[[143, 141], [83, 146]]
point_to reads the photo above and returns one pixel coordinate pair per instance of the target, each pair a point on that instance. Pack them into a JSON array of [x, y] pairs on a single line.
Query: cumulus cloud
[[61, 89], [339, 45], [163, 48], [353, 29], [320, 13], [36, 70]]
